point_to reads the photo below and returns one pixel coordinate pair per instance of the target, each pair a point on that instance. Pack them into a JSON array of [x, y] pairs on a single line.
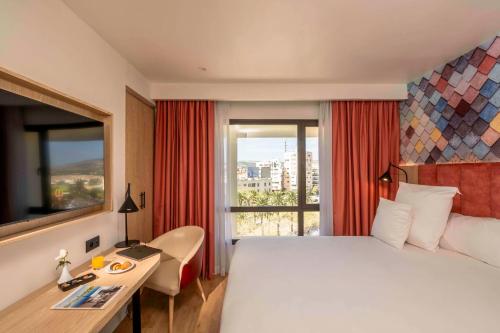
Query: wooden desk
[[33, 314]]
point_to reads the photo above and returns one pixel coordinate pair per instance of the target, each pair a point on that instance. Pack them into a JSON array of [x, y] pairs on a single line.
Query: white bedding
[[356, 284]]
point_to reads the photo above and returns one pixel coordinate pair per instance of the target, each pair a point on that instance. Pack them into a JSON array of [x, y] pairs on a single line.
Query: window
[[274, 177]]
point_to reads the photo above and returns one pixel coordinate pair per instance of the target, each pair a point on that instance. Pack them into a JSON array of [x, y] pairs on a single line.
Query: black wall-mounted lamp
[[128, 206], [386, 177]]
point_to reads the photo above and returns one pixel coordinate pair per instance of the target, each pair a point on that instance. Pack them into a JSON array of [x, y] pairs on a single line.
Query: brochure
[[89, 297]]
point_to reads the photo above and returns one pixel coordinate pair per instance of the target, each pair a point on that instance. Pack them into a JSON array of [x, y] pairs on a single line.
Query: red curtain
[[184, 170], [365, 137]]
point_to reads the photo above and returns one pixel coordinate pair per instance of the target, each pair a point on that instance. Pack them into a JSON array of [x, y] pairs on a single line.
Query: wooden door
[[139, 150]]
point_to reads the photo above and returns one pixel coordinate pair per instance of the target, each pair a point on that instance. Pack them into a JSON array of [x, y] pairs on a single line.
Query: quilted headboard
[[479, 184]]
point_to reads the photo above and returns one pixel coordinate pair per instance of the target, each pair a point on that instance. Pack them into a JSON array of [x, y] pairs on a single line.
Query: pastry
[[126, 264], [115, 266]]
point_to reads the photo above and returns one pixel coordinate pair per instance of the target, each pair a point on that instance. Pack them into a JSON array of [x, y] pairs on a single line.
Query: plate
[[109, 271]]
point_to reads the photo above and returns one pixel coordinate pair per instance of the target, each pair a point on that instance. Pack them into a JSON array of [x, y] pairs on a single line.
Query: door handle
[[143, 200]]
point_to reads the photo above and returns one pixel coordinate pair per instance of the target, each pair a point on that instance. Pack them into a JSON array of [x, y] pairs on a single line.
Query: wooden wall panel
[[139, 163]]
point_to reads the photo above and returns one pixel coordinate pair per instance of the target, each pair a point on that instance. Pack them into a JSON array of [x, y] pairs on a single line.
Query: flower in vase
[[62, 258]]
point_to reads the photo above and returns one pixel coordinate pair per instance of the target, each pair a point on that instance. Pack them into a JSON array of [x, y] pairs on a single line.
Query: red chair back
[[192, 270]]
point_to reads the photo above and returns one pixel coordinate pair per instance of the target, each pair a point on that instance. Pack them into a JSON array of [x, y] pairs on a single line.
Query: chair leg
[[170, 314], [200, 287]]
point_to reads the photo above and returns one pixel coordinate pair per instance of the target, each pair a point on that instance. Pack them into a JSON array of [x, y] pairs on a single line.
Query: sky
[[262, 149], [66, 152]]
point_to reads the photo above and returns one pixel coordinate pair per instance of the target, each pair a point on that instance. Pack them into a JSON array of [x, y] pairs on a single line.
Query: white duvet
[[356, 284]]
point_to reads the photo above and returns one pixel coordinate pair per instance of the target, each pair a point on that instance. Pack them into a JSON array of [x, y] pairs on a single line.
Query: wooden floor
[[190, 315]]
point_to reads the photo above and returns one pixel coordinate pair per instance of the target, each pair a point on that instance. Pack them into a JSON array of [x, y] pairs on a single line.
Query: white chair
[[180, 264]]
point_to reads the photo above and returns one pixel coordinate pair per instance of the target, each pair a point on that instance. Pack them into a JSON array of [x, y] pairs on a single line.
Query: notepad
[[139, 252]]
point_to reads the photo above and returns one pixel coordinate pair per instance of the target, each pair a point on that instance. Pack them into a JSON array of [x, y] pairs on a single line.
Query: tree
[[278, 198], [80, 186], [95, 181], [242, 201], [291, 199], [97, 193], [243, 198], [312, 194], [252, 201], [262, 200]]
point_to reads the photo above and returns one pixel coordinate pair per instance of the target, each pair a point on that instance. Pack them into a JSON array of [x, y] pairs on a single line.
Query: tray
[[78, 281]]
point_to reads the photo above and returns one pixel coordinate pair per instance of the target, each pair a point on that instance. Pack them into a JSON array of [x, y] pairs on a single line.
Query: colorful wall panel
[[452, 113]]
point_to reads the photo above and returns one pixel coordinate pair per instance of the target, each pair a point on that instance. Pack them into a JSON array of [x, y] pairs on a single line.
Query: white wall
[[46, 42], [278, 91]]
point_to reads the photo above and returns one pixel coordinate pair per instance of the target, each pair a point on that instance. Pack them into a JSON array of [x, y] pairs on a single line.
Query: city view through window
[[274, 179]]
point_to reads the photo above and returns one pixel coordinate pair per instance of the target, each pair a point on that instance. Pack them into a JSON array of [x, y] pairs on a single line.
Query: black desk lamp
[[128, 206], [386, 177]]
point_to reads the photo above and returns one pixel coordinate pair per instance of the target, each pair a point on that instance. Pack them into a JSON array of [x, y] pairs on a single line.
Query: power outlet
[[92, 244]]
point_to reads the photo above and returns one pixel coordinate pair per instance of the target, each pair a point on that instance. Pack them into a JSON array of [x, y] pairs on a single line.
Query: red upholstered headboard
[[479, 184]]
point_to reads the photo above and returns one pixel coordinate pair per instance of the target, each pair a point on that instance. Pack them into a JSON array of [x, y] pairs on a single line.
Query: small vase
[[65, 275]]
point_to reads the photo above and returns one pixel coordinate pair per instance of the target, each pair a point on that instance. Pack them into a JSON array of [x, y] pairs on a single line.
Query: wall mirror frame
[[23, 86]]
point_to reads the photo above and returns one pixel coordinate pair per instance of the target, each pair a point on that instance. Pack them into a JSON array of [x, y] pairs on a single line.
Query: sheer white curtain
[[325, 169], [223, 234]]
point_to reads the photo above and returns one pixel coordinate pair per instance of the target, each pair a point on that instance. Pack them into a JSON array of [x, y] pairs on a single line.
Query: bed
[[357, 284], [360, 284]]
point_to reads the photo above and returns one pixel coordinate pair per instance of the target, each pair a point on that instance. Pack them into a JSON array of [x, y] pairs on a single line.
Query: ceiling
[[320, 41]]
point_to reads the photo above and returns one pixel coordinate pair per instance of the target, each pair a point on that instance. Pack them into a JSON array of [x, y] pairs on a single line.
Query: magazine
[[89, 297]]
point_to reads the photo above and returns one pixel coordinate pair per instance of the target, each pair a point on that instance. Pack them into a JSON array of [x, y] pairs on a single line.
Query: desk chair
[[180, 264]]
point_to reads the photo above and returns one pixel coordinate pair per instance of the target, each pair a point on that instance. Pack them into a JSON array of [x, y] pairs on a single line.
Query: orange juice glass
[[97, 262]]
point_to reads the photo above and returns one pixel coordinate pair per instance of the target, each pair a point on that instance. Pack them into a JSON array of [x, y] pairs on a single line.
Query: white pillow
[[392, 222], [431, 208], [477, 237]]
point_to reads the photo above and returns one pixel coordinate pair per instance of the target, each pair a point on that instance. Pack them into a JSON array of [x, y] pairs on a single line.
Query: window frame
[[302, 205]]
